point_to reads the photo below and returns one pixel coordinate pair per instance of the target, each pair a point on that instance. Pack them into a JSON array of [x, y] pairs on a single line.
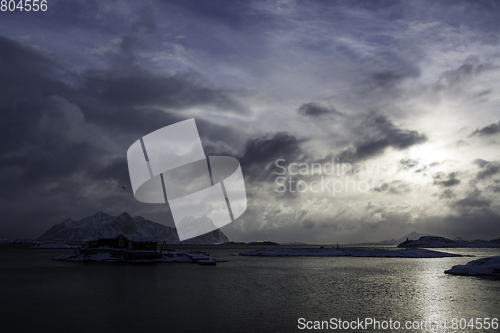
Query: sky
[[353, 121]]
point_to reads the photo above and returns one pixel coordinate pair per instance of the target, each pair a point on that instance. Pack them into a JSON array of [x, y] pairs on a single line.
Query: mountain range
[[102, 225], [411, 236]]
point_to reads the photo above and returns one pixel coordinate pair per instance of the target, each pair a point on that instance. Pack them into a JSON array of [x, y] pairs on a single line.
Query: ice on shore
[[483, 266], [334, 252]]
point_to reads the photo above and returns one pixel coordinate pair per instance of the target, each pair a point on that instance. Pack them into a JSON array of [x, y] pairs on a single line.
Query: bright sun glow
[[427, 153]]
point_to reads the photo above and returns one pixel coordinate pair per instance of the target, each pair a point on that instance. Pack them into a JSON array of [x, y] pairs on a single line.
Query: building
[[143, 244], [116, 242], [133, 249]]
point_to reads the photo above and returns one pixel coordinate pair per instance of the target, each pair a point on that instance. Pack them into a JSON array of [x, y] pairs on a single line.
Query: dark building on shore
[[122, 242], [132, 249]]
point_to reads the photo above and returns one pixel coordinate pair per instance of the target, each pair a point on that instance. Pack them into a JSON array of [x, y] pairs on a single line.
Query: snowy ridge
[[483, 266], [102, 225], [437, 242]]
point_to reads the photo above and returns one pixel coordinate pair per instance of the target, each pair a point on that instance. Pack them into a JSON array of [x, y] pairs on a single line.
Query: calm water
[[244, 294]]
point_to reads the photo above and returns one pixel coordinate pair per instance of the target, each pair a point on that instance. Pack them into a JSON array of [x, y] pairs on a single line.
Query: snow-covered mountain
[[102, 225], [194, 226]]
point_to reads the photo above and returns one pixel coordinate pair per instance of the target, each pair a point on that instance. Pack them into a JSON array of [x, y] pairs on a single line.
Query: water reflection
[[244, 294]]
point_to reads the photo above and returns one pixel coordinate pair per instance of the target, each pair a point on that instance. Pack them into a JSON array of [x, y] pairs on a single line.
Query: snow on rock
[[438, 242], [51, 246], [80, 256], [102, 225], [334, 252], [483, 266]]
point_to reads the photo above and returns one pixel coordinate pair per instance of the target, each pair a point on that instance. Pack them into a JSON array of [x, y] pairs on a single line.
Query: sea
[[244, 294]]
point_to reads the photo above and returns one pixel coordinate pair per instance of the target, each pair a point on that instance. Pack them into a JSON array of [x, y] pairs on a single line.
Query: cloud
[[409, 163], [488, 170], [378, 134], [260, 153], [308, 224], [447, 194], [394, 187], [488, 130], [446, 181], [63, 139], [471, 68], [473, 199], [144, 89], [480, 162], [494, 188], [79, 86], [317, 110]]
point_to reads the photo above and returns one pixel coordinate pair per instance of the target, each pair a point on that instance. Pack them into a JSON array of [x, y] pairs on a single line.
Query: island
[[351, 252], [122, 249], [440, 242], [484, 266]]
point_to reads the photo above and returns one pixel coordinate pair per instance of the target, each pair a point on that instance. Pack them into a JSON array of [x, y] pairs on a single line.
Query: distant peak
[[124, 214], [102, 225]]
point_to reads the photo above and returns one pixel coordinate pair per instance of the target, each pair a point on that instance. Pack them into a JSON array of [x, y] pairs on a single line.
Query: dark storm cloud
[[449, 180], [317, 110], [59, 140], [115, 169], [110, 98], [93, 84], [476, 223], [218, 139], [473, 199], [178, 91], [261, 153], [488, 130], [377, 134], [26, 75], [488, 170]]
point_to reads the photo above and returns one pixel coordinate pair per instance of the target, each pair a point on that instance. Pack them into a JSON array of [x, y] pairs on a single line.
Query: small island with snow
[[484, 266], [132, 250]]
